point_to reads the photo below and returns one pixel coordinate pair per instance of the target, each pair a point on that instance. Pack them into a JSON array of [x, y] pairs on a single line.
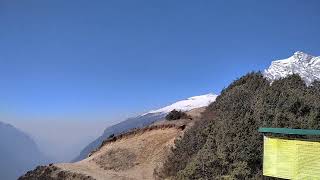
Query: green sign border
[[290, 131]]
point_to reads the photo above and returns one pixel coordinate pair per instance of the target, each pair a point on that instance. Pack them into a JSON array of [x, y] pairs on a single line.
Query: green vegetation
[[175, 115], [110, 136], [226, 143]]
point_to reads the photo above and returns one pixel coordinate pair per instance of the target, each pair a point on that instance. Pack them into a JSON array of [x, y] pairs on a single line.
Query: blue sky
[[110, 59]]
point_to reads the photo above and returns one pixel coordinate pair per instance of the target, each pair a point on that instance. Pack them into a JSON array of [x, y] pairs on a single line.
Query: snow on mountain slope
[[188, 104], [305, 65]]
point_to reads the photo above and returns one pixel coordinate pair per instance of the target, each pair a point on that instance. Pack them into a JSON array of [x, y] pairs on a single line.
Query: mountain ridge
[[187, 104]]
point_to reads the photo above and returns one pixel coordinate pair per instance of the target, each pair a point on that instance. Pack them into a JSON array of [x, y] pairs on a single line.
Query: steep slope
[[147, 119], [132, 157], [306, 66], [18, 152]]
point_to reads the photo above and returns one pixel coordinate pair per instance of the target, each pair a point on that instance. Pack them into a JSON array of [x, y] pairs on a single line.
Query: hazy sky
[[106, 60]]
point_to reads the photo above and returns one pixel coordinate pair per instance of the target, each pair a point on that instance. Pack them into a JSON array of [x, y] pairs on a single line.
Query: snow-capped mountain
[[305, 65], [188, 104], [147, 119]]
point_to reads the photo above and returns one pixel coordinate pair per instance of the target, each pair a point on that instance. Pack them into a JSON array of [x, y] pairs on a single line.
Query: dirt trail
[[130, 158]]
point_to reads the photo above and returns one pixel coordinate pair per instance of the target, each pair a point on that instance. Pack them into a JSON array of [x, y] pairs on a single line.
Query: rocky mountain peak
[[303, 64]]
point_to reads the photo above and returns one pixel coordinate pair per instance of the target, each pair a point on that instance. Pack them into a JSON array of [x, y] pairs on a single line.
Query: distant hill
[[18, 152], [147, 119]]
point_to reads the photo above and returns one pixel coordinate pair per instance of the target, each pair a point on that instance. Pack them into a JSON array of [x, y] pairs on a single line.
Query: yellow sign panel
[[291, 159]]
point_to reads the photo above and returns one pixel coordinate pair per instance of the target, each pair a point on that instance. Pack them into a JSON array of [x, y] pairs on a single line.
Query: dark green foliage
[[111, 136], [175, 115], [52, 173], [226, 143]]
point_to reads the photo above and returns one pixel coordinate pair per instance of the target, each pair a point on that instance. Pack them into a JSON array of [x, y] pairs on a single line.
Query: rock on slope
[[18, 152], [307, 66], [147, 119]]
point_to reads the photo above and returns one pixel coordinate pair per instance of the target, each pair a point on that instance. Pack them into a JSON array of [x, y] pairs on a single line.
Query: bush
[[111, 136], [175, 115], [226, 143]]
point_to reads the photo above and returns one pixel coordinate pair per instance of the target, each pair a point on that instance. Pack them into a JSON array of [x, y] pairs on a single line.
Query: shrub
[[111, 136], [175, 115]]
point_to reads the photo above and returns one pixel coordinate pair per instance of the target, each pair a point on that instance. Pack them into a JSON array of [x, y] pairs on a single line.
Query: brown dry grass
[[133, 156], [117, 159]]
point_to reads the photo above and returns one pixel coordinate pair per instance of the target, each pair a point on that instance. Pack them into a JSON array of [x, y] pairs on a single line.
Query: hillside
[[226, 144], [137, 154], [18, 152], [147, 119], [131, 157], [131, 123]]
